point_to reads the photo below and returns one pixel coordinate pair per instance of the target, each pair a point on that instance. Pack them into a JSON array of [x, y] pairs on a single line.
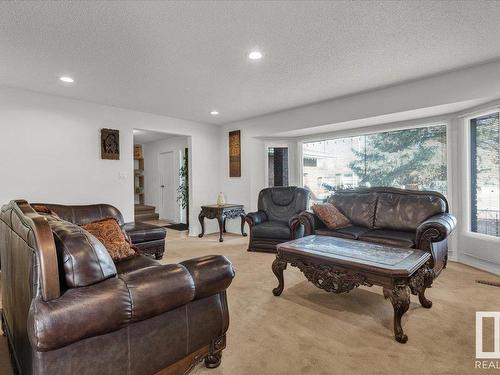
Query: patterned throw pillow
[[331, 216], [110, 234]]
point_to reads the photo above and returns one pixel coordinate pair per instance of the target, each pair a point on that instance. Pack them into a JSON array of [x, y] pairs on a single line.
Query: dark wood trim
[[47, 255], [186, 364]]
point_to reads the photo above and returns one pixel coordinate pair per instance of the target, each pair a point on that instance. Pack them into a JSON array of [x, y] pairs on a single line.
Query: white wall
[[151, 152], [50, 152]]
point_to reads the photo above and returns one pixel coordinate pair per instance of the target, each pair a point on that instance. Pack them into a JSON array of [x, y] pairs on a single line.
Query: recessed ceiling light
[[214, 112], [255, 55], [66, 79]]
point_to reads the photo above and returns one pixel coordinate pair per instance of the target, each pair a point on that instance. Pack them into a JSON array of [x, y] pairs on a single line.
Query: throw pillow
[[110, 234], [331, 216]]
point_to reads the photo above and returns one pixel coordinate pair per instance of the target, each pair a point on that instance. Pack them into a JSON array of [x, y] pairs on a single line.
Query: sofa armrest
[[77, 314], [435, 229], [211, 274], [311, 222], [157, 289], [296, 226], [255, 218]]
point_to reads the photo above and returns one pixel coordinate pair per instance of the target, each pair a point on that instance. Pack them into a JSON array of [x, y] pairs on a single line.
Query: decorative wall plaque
[[110, 144], [137, 152], [234, 154]]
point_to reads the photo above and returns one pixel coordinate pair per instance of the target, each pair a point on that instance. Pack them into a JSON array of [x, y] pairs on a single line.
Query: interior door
[[168, 173]]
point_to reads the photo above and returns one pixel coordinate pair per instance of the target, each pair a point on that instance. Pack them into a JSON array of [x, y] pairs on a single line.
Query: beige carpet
[[308, 331]]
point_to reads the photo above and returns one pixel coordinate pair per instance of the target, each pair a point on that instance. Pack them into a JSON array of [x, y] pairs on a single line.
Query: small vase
[[220, 199]]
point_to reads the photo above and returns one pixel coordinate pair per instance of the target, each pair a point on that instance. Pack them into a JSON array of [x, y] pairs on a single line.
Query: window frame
[[267, 146], [439, 121], [467, 214]]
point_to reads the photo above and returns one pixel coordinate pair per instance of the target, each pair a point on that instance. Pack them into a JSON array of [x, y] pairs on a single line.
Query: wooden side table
[[221, 213]]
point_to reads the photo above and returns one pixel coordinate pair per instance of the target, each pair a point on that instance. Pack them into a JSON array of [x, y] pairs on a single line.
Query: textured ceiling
[[184, 59]]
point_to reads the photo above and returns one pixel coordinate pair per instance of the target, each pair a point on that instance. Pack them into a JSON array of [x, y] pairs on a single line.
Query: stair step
[[146, 216], [140, 208]]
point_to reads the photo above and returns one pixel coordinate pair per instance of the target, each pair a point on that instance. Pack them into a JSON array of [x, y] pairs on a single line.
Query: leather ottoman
[[148, 238]]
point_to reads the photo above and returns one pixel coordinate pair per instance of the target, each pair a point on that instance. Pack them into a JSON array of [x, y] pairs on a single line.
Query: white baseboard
[[490, 267]]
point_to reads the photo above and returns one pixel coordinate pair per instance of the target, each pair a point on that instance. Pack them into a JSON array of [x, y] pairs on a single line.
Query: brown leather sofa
[[68, 309], [392, 217], [149, 239]]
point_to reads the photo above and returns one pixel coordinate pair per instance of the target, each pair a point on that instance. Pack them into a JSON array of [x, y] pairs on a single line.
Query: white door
[[169, 176]]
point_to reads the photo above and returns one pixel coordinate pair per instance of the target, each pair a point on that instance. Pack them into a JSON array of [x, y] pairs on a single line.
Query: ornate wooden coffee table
[[338, 265]]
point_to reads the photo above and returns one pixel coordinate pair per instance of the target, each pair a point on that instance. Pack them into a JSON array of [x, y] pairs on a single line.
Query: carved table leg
[[220, 220], [242, 216], [159, 254], [202, 222], [400, 298], [428, 279], [420, 281], [224, 225], [278, 267]]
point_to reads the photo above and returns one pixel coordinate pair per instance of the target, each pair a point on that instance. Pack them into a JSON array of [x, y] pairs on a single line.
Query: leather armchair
[[67, 307], [393, 217], [277, 218]]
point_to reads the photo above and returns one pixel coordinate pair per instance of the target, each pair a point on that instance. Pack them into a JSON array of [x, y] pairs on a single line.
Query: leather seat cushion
[[272, 229], [390, 238], [82, 257], [142, 232], [281, 203], [406, 212], [135, 263], [155, 290], [359, 208], [353, 232]]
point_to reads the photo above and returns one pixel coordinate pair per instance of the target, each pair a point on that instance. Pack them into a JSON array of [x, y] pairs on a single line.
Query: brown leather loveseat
[[393, 217], [149, 239], [68, 309]]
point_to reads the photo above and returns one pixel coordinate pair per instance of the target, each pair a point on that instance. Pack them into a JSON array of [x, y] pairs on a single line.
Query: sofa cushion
[[390, 238], [331, 216], [405, 212], [135, 263], [281, 203], [155, 290], [142, 232], [82, 258], [84, 214], [108, 231], [359, 208], [353, 232], [272, 229]]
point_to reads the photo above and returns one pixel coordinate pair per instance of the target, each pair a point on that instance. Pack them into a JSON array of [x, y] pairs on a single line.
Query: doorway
[[160, 184], [168, 173]]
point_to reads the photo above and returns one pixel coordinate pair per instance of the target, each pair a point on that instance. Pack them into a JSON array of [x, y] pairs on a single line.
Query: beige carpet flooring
[[309, 331]]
